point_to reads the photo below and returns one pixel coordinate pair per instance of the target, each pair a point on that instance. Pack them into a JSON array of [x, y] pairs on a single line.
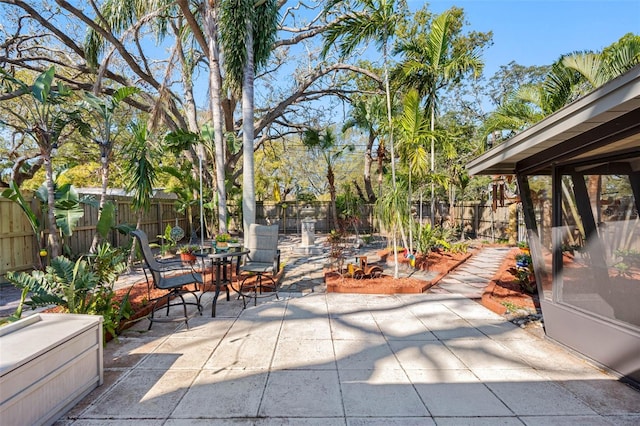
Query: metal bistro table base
[[224, 275]]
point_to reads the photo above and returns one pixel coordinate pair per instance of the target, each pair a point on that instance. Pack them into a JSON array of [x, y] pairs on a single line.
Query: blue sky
[[538, 32]]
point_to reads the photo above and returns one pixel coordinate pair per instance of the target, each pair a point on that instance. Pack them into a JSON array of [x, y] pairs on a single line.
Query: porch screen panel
[[541, 200], [600, 246]]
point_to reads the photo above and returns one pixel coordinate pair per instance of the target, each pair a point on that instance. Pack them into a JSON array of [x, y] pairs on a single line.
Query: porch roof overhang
[[604, 121]]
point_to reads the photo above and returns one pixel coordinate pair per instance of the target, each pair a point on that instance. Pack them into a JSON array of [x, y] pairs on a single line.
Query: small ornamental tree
[[44, 114]]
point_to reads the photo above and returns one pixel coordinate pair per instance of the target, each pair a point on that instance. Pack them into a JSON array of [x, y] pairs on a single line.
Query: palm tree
[[570, 77], [598, 68], [392, 212], [326, 144], [247, 40], [141, 173], [375, 21], [413, 131], [118, 15], [434, 62], [365, 115]]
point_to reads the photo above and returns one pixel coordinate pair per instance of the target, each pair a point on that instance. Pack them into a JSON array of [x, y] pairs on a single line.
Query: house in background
[[578, 174]]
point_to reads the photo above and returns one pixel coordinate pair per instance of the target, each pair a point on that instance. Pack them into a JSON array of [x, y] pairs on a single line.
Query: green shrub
[[81, 287]]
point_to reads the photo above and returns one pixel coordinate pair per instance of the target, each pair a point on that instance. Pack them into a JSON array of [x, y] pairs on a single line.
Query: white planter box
[[48, 362]]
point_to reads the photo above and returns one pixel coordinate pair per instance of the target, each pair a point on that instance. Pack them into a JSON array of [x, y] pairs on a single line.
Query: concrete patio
[[343, 359]]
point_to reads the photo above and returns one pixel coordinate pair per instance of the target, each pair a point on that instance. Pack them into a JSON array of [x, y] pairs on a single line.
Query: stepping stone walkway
[[472, 277], [304, 274]]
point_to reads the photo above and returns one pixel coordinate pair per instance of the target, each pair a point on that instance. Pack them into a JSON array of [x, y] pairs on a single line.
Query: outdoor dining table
[[223, 275]]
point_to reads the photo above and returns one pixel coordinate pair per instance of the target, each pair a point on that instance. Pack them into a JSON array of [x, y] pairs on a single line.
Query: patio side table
[[222, 265]]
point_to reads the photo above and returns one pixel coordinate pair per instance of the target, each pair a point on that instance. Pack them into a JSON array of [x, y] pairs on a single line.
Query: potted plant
[[187, 253], [169, 242], [222, 240], [524, 247]]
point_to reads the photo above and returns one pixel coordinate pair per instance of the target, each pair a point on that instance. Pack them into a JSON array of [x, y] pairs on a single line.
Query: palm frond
[[588, 64]]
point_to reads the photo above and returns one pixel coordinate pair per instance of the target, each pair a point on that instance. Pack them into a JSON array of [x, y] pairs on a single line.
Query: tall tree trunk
[[104, 176], [132, 253], [332, 193], [215, 88], [593, 189], [432, 213], [396, 271], [388, 93], [380, 160], [368, 161], [248, 176], [410, 215], [54, 240]]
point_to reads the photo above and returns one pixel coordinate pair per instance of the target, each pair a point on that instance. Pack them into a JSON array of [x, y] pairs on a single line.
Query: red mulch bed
[[504, 289], [438, 262], [140, 294]]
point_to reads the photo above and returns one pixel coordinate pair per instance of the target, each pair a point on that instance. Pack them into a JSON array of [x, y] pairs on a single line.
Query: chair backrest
[[149, 259], [262, 243]]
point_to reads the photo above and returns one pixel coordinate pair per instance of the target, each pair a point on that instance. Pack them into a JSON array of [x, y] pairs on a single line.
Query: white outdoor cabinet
[[48, 362]]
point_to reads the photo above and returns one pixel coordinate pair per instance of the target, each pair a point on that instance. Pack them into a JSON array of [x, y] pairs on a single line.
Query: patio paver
[[337, 359]]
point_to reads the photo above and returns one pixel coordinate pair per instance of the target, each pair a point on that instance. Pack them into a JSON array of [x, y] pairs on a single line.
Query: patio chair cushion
[[262, 243]]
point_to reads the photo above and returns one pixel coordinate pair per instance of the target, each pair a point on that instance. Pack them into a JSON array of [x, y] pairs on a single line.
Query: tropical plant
[[80, 287], [186, 189], [168, 241], [188, 249], [13, 193], [225, 238], [459, 247], [413, 135], [349, 208], [103, 112], [17, 314], [367, 20], [46, 117], [366, 115], [249, 31], [392, 212], [460, 179], [429, 237], [568, 78], [141, 172], [433, 62], [67, 208], [598, 68], [327, 145]]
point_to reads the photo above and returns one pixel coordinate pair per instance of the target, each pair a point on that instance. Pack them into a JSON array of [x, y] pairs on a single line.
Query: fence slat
[[18, 246]]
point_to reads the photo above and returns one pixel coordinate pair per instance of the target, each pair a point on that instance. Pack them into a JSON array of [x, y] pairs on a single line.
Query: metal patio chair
[[261, 264], [172, 276]]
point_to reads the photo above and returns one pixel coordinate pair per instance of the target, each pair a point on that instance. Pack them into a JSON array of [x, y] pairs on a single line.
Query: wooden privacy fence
[[480, 221], [17, 243], [290, 217], [18, 246]]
